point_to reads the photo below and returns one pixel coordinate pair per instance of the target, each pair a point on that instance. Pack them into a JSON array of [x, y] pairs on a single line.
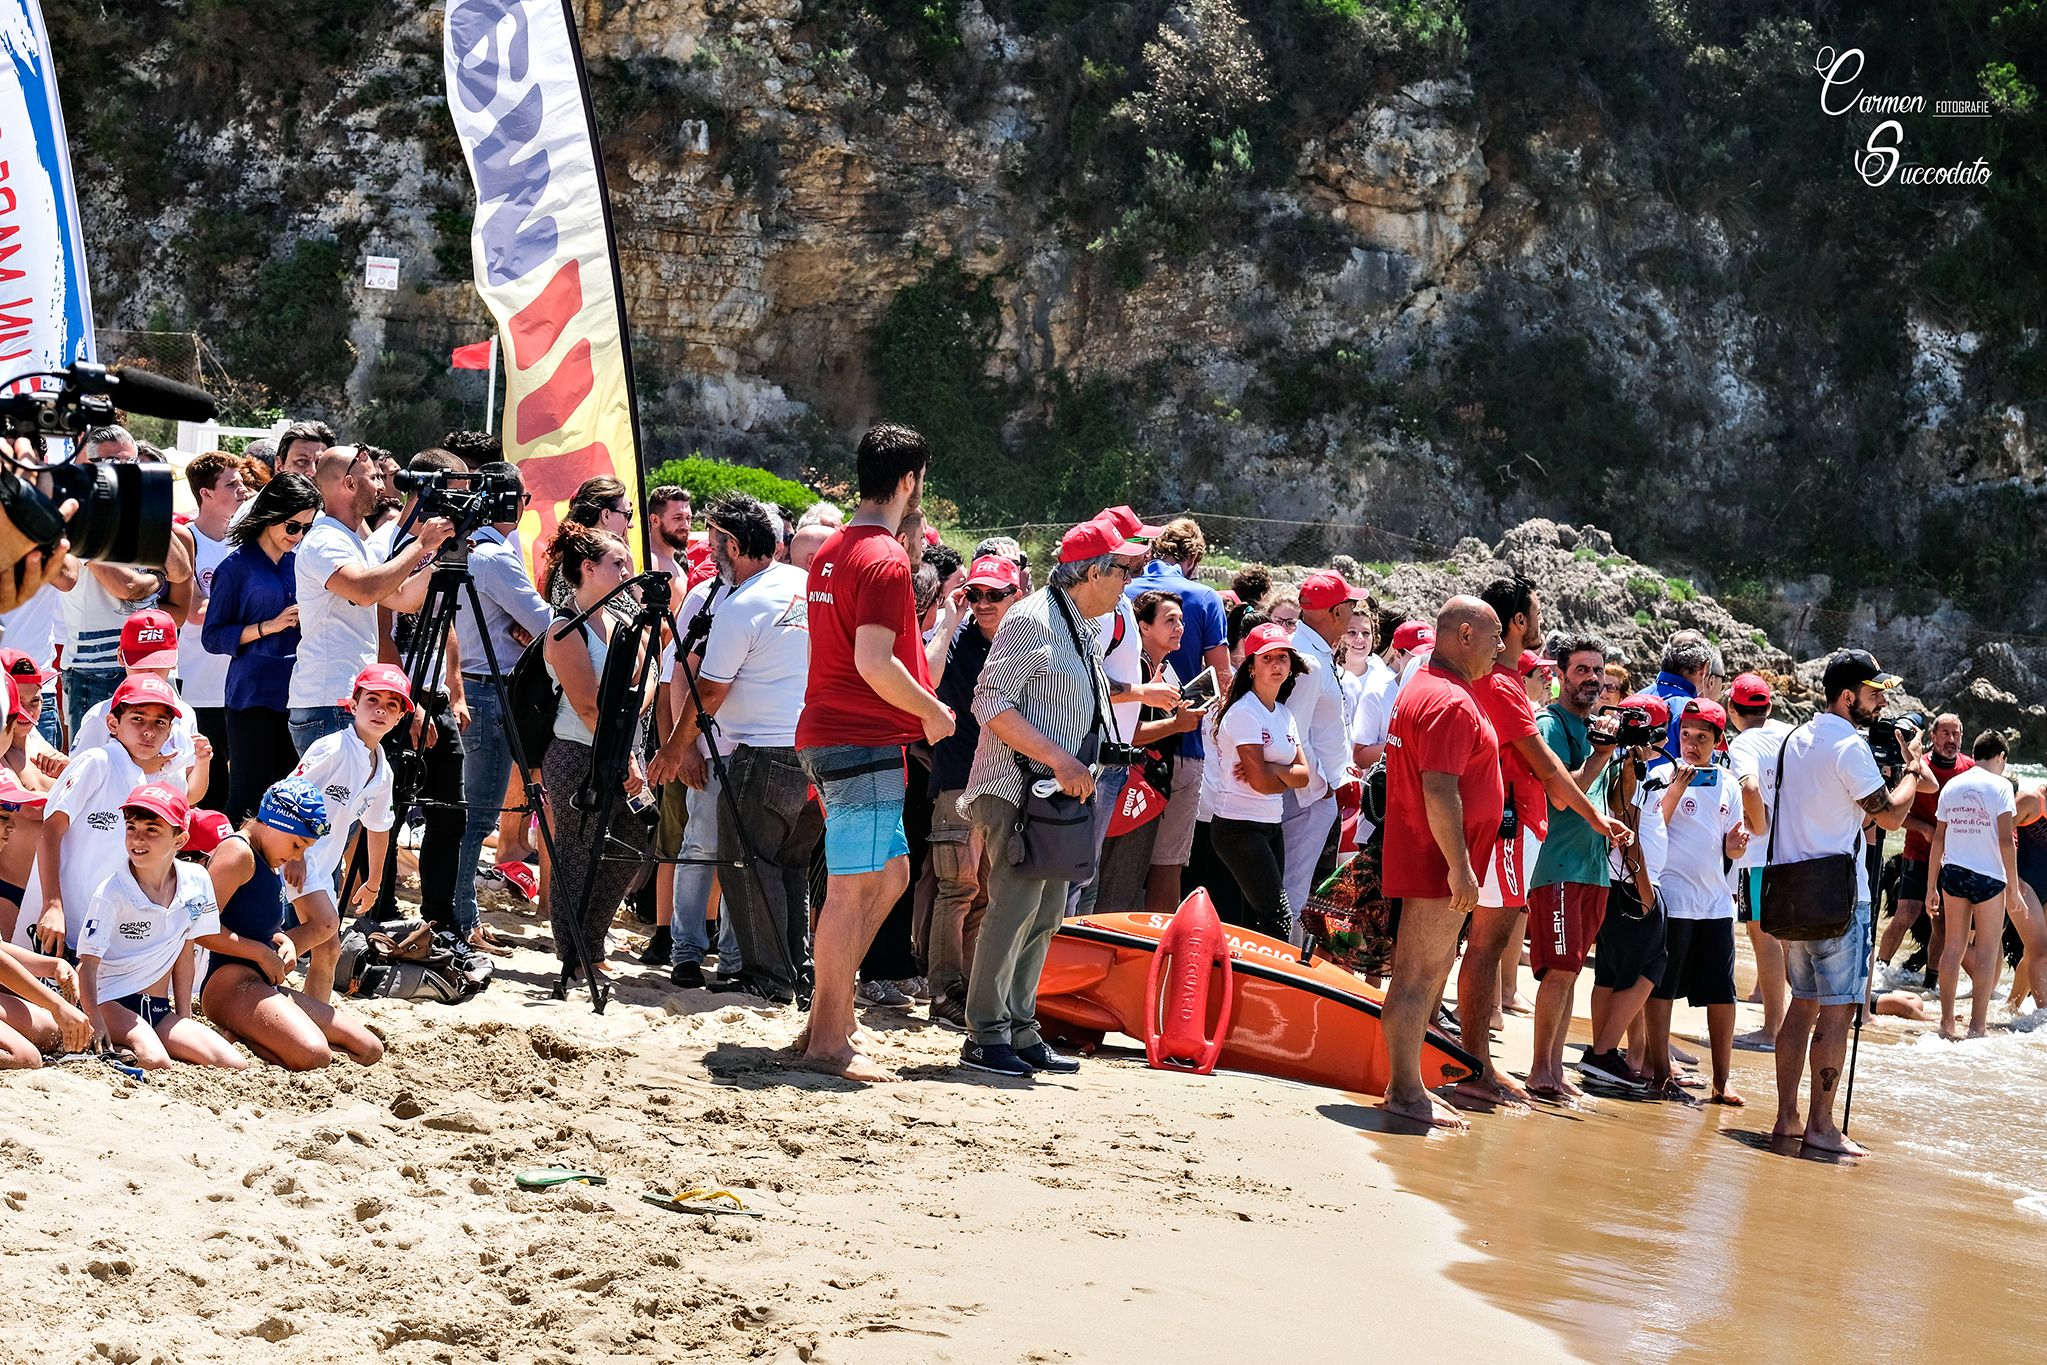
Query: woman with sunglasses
[[600, 504], [253, 618]]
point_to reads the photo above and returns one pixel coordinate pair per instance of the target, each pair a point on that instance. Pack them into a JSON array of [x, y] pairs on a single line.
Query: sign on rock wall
[[45, 302], [545, 258]]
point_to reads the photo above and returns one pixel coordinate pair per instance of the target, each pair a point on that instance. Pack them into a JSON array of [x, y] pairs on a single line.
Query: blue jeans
[[85, 688], [1833, 971], [693, 883], [486, 767], [311, 723], [46, 723]]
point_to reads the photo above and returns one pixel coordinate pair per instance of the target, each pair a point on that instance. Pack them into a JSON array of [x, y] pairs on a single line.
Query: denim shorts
[[862, 789], [1833, 971], [1967, 884]]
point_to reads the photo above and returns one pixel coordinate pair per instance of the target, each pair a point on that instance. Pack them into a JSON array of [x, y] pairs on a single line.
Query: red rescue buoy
[[1177, 993]]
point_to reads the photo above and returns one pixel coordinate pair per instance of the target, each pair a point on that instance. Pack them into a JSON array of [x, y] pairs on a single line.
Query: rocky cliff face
[[1391, 301]]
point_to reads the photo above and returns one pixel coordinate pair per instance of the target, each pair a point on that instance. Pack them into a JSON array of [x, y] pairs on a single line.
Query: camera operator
[[1041, 697], [514, 613], [32, 587], [339, 589], [756, 660], [1830, 783]]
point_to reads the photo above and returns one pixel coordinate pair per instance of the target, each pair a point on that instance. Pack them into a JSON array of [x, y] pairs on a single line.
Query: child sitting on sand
[[82, 837], [350, 772], [33, 1018], [138, 935], [34, 766], [149, 644]]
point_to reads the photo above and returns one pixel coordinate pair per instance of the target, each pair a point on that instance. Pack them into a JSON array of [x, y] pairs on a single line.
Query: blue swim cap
[[296, 807]]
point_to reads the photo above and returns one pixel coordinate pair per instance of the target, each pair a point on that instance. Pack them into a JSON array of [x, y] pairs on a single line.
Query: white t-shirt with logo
[[94, 732], [90, 793], [138, 941], [1374, 713], [202, 677], [1753, 752], [355, 782], [1122, 661], [336, 637], [1692, 881], [1969, 806], [1828, 770], [760, 644], [1248, 722]]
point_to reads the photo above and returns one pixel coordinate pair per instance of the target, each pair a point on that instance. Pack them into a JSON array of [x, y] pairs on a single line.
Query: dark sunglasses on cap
[[977, 596]]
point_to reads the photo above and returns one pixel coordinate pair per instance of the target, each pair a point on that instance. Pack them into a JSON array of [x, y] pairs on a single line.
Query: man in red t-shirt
[[1534, 777], [1443, 802], [1944, 755], [869, 695]]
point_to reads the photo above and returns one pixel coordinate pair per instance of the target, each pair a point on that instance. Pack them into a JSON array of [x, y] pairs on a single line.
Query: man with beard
[[1947, 762], [1830, 782]]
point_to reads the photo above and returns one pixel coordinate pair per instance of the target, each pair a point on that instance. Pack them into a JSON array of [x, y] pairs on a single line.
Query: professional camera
[[465, 499], [1113, 755], [124, 510], [1635, 727], [1887, 740]]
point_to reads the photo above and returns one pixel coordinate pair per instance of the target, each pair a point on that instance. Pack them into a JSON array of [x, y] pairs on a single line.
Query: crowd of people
[[886, 771]]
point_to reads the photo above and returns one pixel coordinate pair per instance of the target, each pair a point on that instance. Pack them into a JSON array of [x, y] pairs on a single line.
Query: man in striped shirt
[[1041, 699]]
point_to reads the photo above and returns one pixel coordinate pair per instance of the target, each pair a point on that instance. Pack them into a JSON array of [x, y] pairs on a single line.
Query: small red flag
[[475, 357]]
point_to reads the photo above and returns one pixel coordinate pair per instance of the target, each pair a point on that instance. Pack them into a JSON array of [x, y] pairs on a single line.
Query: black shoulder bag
[[1054, 837], [1811, 899]]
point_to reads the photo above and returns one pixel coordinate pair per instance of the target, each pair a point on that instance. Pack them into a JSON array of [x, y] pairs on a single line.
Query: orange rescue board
[[1316, 1023]]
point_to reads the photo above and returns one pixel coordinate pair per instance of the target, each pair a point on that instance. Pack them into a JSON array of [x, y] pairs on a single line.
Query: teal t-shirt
[[1574, 851]]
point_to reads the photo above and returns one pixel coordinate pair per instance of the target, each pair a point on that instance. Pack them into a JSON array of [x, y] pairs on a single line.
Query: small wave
[[2032, 1203]]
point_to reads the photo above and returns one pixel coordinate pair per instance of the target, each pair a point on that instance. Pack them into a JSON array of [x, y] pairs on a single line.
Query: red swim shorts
[[1563, 919]]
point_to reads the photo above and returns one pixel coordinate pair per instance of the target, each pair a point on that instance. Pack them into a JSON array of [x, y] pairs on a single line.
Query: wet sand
[[1646, 1232]]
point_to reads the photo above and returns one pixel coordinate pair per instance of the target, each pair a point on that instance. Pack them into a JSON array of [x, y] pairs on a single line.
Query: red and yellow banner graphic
[[545, 258]]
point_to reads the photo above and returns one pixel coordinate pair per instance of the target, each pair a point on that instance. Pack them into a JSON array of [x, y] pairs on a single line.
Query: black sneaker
[[950, 1011], [1038, 1057], [688, 975], [743, 984], [999, 1058], [659, 944], [1611, 1067]]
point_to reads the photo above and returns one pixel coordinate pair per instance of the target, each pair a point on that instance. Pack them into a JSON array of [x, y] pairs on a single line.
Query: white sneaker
[[883, 993]]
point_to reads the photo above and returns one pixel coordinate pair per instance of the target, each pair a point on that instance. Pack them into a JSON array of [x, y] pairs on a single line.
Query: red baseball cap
[[384, 678], [1708, 711], [1413, 635], [1324, 590], [1129, 523], [1530, 661], [205, 830], [1094, 538], [931, 536], [1266, 638], [1657, 707], [21, 667], [143, 689], [1749, 689], [12, 793], [993, 571], [149, 639], [158, 799]]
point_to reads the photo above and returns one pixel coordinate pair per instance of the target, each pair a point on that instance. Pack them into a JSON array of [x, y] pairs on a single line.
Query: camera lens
[[124, 511]]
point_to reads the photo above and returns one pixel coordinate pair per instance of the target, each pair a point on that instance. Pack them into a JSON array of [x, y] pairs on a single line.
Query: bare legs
[[854, 908], [1827, 1028], [1982, 959], [1421, 967], [1478, 983], [1552, 1022], [1771, 987]]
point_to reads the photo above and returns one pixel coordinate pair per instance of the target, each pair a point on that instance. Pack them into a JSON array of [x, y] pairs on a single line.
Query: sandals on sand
[[547, 1177], [702, 1201]]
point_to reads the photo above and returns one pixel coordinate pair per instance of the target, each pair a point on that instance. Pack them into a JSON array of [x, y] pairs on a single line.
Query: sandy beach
[[1123, 1215]]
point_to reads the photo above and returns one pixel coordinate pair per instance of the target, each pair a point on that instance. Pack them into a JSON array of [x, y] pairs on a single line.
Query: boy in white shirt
[[1701, 810], [83, 836], [349, 770], [138, 938], [149, 644], [1973, 873]]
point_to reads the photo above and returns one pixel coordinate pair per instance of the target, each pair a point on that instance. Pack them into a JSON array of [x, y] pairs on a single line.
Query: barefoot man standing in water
[[1830, 782], [1443, 804], [869, 695]]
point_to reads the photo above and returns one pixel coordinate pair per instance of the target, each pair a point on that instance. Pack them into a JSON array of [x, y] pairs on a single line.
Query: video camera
[[468, 500], [1635, 727], [1887, 740], [124, 510]]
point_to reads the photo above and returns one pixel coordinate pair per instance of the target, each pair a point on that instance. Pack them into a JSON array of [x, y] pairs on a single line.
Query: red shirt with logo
[[1926, 805], [1438, 727], [1507, 706], [861, 577]]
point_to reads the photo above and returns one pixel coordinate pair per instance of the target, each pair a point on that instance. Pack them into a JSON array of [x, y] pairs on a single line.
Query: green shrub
[[706, 479], [1681, 590], [1643, 586], [295, 338]]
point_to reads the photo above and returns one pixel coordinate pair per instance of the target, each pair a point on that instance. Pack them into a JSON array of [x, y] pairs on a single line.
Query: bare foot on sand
[[1762, 1040], [1834, 1141], [1517, 1005], [1429, 1110], [1681, 1057], [1498, 1089], [1727, 1095], [1789, 1125], [853, 1065]]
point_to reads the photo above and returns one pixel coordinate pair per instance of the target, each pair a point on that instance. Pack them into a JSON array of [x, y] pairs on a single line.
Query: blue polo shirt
[[1677, 692], [1203, 608]]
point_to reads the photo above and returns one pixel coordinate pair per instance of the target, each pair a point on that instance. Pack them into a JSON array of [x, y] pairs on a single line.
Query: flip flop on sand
[[702, 1201], [547, 1177]]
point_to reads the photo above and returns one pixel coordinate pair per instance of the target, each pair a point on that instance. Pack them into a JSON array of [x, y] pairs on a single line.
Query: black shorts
[[1911, 880], [1630, 944], [152, 1009], [1701, 962]]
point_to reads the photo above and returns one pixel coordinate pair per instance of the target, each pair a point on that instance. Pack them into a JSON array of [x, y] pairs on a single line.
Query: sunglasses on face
[[298, 528], [625, 512], [977, 596]]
